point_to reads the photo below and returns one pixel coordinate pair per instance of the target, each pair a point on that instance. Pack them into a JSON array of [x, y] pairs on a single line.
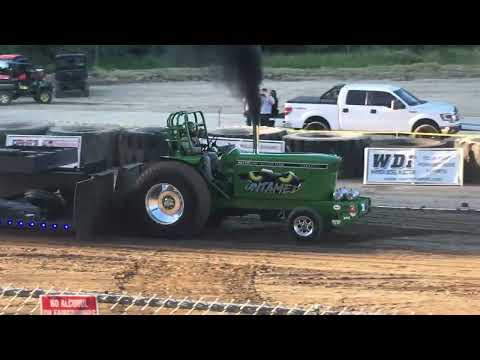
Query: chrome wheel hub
[[164, 204], [304, 226]]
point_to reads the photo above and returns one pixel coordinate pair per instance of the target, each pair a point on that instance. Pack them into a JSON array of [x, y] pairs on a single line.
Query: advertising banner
[[414, 166], [48, 141]]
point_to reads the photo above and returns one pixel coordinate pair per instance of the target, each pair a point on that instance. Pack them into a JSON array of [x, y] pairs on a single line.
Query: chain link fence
[[20, 301]]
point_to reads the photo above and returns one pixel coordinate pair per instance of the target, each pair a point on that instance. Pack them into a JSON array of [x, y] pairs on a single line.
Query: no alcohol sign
[[69, 305]]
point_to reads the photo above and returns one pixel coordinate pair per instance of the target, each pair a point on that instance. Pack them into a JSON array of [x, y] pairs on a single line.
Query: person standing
[[266, 109], [275, 110]]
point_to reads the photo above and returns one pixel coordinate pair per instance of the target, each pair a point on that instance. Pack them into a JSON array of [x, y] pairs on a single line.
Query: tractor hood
[[277, 177]]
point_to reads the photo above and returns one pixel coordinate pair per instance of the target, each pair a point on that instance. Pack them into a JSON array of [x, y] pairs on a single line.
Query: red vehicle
[[19, 78]]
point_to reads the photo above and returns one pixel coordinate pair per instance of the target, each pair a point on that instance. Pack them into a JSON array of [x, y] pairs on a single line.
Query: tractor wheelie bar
[[189, 184]]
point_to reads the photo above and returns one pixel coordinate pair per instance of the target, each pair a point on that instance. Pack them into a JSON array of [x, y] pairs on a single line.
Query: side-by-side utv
[[191, 185], [19, 78]]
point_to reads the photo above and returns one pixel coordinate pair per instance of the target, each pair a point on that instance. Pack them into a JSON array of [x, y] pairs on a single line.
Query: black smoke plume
[[243, 73], [240, 68]]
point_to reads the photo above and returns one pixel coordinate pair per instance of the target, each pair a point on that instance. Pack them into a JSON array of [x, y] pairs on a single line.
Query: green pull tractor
[[190, 184], [200, 183]]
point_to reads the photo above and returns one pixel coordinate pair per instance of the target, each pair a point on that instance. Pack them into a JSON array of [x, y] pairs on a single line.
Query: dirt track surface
[[365, 267]]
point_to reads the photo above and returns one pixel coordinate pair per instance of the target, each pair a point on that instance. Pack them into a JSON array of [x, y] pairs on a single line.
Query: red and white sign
[[69, 305]]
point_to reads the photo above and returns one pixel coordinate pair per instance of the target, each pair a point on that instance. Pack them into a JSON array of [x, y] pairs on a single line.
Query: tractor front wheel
[[172, 200], [306, 225]]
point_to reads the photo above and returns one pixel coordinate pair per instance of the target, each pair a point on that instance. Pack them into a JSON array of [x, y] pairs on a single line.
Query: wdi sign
[[414, 166]]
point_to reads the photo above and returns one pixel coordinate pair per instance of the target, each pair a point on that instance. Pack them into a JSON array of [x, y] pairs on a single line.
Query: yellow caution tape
[[395, 133]]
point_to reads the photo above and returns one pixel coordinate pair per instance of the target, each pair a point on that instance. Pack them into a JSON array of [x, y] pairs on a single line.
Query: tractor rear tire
[[13, 127], [99, 142], [305, 225], [195, 208], [349, 147], [142, 145], [246, 132]]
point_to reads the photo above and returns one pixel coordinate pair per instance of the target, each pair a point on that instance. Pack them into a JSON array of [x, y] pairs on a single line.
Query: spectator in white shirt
[[266, 109], [267, 103]]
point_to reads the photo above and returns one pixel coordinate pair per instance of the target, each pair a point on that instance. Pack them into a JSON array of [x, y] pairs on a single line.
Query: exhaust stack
[[242, 72]]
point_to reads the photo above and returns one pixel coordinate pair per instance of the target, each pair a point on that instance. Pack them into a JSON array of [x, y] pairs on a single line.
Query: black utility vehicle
[[71, 74]]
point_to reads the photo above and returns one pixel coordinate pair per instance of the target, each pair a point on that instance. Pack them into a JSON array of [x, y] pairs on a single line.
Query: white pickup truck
[[369, 107]]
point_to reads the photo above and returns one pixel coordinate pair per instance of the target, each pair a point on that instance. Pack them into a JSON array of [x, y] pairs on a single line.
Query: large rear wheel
[[171, 200]]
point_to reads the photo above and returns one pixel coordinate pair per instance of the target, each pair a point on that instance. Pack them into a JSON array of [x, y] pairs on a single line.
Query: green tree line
[[146, 56]]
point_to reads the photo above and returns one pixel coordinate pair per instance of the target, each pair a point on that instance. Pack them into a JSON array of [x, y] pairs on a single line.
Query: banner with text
[[48, 141], [414, 166]]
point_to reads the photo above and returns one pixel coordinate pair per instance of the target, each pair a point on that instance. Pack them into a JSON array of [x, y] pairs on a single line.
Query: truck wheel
[[12, 127], [44, 97], [171, 200], [430, 128], [99, 142], [245, 132], [317, 124], [5, 98], [305, 225]]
